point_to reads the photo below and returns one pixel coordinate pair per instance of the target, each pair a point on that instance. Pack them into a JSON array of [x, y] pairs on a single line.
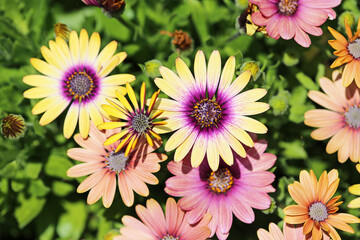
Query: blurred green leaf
[[29, 208], [293, 150], [62, 189], [58, 164], [307, 82], [32, 170], [38, 188]]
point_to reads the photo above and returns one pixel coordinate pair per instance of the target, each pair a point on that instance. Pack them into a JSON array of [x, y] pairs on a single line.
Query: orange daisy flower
[[316, 209], [348, 52]]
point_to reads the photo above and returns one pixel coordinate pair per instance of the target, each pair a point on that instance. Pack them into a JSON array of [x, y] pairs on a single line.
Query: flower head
[[105, 166], [293, 18], [316, 208], [208, 113], [340, 121], [290, 232], [154, 225], [348, 52], [138, 122], [75, 75], [61, 30], [235, 189], [13, 127], [355, 189], [111, 7], [181, 40]]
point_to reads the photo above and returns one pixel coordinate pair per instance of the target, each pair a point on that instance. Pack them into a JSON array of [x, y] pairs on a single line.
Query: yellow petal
[[178, 138], [112, 125], [184, 148], [240, 134], [44, 104], [95, 114], [184, 72], [40, 92], [107, 68], [46, 68], [116, 137], [106, 54], [354, 203], [131, 94], [118, 79], [71, 120], [84, 122], [199, 150], [124, 101], [212, 154], [227, 74], [84, 43], [94, 47], [50, 58], [39, 80], [213, 72], [200, 70], [74, 47], [355, 189], [53, 112], [251, 125]]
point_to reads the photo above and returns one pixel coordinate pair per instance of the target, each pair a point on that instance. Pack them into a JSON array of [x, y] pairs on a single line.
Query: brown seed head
[[13, 126]]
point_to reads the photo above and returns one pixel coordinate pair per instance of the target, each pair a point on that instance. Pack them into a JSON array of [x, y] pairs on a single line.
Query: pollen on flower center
[[207, 112], [318, 211], [116, 162], [168, 237], [352, 116], [221, 180], [140, 122], [288, 7], [354, 48], [80, 84]]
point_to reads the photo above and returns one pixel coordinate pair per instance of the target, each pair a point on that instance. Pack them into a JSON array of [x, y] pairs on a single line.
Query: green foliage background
[[38, 200]]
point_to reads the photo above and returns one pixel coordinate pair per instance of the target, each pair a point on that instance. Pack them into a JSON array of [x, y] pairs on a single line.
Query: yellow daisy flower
[[75, 75], [355, 189], [138, 122]]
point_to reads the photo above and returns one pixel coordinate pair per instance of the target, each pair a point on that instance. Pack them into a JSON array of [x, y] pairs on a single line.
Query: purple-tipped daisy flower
[[294, 18], [235, 189], [75, 75]]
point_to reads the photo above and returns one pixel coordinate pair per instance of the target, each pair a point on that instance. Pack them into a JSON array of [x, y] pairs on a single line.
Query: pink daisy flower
[[340, 121], [294, 18], [291, 232], [105, 166], [231, 189], [155, 226]]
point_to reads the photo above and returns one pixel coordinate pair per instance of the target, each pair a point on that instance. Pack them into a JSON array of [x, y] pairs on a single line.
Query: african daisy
[[316, 208], [355, 189], [105, 166], [229, 190], [75, 75], [207, 112], [294, 18], [340, 121], [348, 52], [290, 232], [137, 122], [154, 225]]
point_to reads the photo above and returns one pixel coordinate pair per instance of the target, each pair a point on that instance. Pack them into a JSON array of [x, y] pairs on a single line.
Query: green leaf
[[293, 150], [32, 170], [62, 189], [9, 171], [199, 18], [306, 81], [58, 164], [38, 188], [72, 223], [29, 208]]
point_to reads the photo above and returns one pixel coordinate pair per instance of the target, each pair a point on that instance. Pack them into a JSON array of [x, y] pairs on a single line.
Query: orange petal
[[298, 193], [340, 225], [333, 233], [345, 217], [316, 232], [308, 226], [305, 180], [322, 186], [295, 210], [330, 191], [348, 29], [296, 219], [338, 36], [336, 44]]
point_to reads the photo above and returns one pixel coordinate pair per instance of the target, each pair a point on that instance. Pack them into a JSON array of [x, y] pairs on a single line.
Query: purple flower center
[[221, 180], [140, 122], [80, 84], [318, 211], [354, 48], [116, 162], [207, 112], [288, 7], [352, 116], [168, 237]]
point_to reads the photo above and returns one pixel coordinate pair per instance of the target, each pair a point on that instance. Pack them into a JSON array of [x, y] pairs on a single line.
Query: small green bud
[[280, 103], [253, 67], [152, 68], [13, 127], [349, 18]]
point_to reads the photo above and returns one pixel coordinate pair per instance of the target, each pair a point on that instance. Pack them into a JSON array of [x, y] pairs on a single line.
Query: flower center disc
[[168, 237], [354, 48], [288, 7], [221, 180], [116, 162], [352, 117], [140, 122], [207, 112], [318, 212], [80, 84]]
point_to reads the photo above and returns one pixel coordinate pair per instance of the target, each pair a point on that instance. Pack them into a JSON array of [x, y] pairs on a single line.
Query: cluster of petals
[[317, 208], [355, 189], [339, 121], [75, 75], [294, 18], [208, 112], [136, 171], [247, 187], [290, 232], [348, 52], [154, 225]]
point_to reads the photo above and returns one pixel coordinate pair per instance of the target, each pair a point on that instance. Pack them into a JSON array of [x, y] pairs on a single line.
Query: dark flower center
[[221, 180], [140, 122], [80, 84], [288, 7], [207, 112], [354, 48], [116, 162], [352, 117], [318, 211]]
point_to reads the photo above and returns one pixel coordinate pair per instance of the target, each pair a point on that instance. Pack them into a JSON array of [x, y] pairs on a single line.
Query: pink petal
[[259, 19], [226, 217], [126, 193], [90, 144], [98, 191], [109, 190], [286, 27], [267, 8], [84, 155], [273, 27], [91, 181], [302, 38], [171, 215], [198, 212], [320, 3], [312, 16], [136, 184], [241, 210], [84, 169], [313, 30]]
